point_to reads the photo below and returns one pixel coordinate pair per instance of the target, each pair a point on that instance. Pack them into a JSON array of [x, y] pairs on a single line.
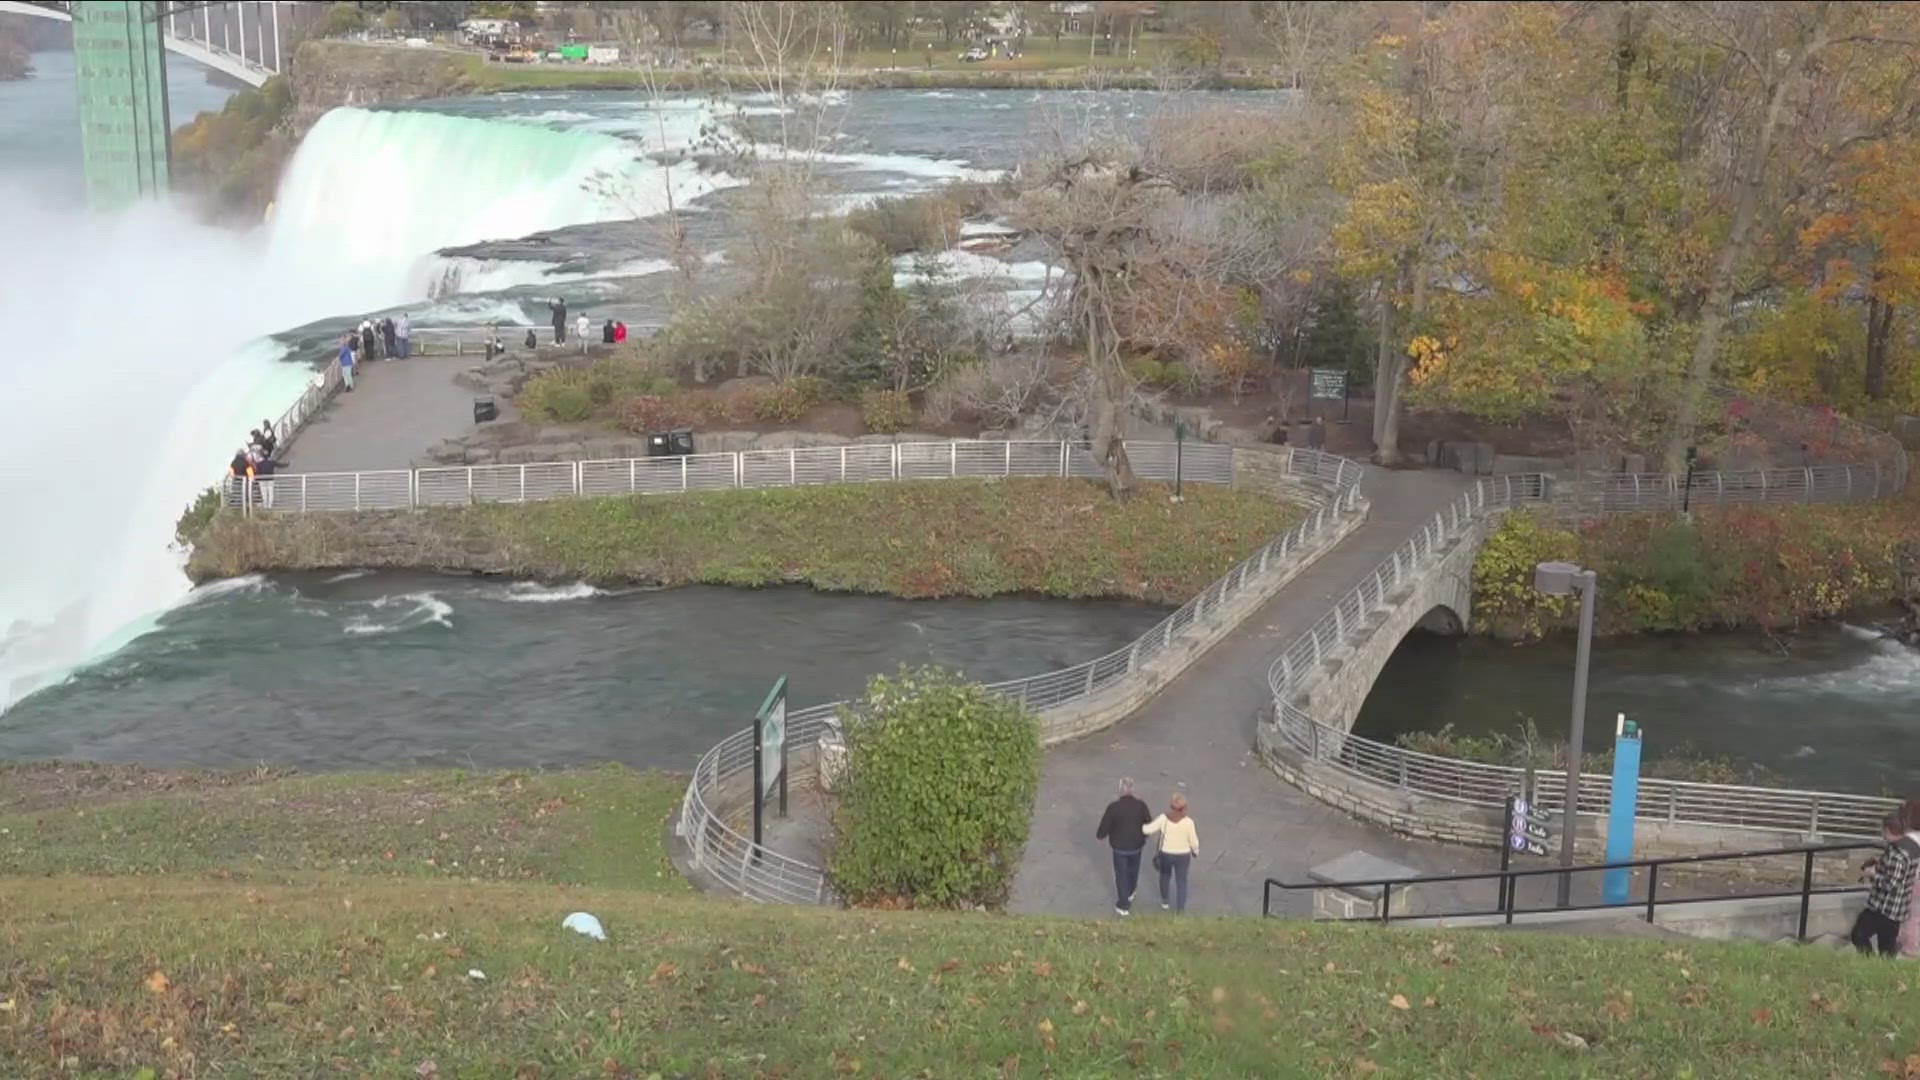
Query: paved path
[[398, 410], [1198, 733]]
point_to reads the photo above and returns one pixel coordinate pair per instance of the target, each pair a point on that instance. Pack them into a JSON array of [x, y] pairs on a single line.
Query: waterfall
[[139, 351], [371, 194]]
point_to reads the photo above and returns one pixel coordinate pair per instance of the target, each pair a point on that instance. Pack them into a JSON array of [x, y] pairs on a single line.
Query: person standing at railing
[[1889, 890], [269, 440], [1123, 828], [239, 471], [390, 346], [403, 335], [346, 363], [1179, 843], [558, 307], [367, 347]]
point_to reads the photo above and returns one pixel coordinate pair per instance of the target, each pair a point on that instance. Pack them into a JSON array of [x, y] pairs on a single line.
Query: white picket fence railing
[[463, 485]]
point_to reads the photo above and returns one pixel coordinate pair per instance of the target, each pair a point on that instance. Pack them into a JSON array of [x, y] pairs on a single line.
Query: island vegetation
[[916, 539]]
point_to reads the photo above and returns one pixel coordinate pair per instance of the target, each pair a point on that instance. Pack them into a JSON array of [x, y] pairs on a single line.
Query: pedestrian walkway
[[1196, 736], [399, 410]]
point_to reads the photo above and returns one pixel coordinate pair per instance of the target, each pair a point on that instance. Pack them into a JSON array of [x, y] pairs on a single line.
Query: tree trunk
[[1733, 251], [1108, 407], [1626, 50], [1382, 369], [1880, 316]]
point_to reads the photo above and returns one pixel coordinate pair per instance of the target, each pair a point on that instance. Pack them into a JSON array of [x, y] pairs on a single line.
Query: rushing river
[[393, 670], [1834, 707]]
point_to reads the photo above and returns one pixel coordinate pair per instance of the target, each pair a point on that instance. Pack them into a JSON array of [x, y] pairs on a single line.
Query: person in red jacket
[[619, 332]]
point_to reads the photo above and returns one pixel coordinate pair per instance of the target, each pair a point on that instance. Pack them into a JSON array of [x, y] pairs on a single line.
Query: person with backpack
[[1889, 889]]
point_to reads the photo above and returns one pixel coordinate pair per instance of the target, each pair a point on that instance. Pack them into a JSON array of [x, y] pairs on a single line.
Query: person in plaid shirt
[[1890, 892]]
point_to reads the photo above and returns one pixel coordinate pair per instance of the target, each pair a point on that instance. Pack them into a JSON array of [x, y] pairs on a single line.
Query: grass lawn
[[255, 926], [931, 538]]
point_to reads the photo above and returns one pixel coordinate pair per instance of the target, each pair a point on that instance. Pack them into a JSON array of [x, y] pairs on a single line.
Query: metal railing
[[1506, 904], [462, 485], [1638, 492], [721, 783], [1807, 813]]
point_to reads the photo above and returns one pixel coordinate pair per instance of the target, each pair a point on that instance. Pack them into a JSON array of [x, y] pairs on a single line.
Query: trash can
[[484, 410], [670, 444]]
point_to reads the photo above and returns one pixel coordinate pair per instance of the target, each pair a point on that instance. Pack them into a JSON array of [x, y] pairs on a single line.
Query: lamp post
[[1686, 497], [1565, 579]]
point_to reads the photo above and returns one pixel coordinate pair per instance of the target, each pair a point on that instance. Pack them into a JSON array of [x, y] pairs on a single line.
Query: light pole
[[1564, 579]]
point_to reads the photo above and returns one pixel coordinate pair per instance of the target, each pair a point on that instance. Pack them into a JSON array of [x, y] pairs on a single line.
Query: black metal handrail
[[1507, 904]]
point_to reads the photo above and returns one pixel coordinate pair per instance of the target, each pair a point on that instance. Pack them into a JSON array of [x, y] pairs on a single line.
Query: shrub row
[[1764, 566]]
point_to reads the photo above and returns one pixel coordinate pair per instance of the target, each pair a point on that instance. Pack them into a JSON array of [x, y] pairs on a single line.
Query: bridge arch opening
[[1442, 620]]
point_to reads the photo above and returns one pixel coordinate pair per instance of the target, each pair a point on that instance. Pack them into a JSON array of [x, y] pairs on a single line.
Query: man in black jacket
[[1123, 827]]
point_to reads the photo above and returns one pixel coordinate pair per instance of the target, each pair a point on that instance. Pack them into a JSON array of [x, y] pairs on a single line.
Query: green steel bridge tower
[[120, 48]]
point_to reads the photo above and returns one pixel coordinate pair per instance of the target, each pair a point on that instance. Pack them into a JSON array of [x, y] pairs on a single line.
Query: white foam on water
[[415, 610], [533, 592], [460, 274]]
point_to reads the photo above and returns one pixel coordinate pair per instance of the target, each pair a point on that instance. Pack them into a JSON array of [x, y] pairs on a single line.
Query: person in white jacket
[[1179, 843]]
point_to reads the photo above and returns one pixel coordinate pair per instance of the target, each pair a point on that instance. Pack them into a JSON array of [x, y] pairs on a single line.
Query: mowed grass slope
[[255, 926]]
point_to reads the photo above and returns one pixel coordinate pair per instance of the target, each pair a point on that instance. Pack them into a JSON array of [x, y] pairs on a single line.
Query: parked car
[[973, 55]]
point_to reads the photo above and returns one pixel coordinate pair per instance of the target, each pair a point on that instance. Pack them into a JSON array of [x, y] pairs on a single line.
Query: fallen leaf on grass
[[662, 973], [948, 965], [1079, 1008], [1822, 1003], [157, 982], [1569, 1040], [1046, 1033], [1399, 1001], [1330, 969], [904, 964], [1365, 1066], [1219, 995], [1042, 969], [1430, 1002], [1906, 1068], [427, 1068], [1762, 1017]]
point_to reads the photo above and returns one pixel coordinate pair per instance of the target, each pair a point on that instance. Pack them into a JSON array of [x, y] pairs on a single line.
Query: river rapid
[[1834, 706]]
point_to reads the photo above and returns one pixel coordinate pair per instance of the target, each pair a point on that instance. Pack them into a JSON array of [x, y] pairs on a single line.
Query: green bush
[[1505, 603], [561, 397], [885, 411], [786, 402], [941, 776], [1528, 747], [612, 378], [195, 519]]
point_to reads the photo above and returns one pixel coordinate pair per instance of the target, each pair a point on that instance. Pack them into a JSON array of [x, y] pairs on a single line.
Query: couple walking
[[1125, 827]]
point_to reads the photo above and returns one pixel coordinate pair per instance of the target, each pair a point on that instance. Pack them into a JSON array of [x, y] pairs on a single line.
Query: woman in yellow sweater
[[1179, 843]]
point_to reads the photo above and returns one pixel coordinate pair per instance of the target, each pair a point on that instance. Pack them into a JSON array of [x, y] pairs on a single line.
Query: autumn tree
[[1805, 84]]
